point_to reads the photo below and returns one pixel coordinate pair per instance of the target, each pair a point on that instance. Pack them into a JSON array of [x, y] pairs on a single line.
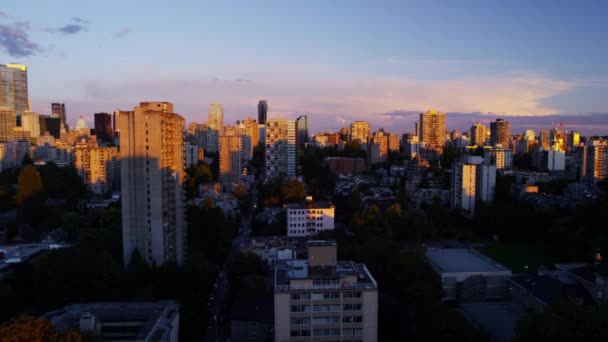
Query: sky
[[533, 63]]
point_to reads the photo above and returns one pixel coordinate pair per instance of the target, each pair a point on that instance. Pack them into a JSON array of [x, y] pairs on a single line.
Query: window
[[351, 294]]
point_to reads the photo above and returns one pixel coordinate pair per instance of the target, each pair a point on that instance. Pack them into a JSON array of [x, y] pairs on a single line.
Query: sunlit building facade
[[432, 130], [280, 148], [13, 88]]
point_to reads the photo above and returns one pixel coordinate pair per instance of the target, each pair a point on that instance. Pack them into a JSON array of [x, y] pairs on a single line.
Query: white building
[[464, 186], [499, 156], [309, 218], [556, 160]]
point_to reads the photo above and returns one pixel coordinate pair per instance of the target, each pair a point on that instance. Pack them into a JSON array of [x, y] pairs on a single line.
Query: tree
[[26, 328], [293, 191], [29, 184]]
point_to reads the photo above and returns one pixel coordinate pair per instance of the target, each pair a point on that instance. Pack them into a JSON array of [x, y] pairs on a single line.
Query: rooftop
[[14, 254], [143, 319], [298, 269], [461, 260], [310, 205]]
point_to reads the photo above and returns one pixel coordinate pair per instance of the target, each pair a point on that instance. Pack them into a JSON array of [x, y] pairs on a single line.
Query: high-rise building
[[394, 142], [30, 122], [573, 140], [499, 156], [8, 122], [478, 134], [103, 127], [500, 133], [545, 139], [594, 160], [262, 112], [98, 167], [324, 299], [432, 130], [230, 157], [58, 111], [152, 178], [280, 148], [344, 133], [378, 147], [216, 117], [13, 88], [248, 128], [360, 130], [464, 186], [302, 128]]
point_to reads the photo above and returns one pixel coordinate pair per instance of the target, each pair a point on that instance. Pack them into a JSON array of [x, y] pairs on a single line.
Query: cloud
[[123, 32], [3, 15], [78, 25], [15, 40]]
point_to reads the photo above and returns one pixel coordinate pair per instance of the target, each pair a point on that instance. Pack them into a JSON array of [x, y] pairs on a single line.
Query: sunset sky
[[337, 61]]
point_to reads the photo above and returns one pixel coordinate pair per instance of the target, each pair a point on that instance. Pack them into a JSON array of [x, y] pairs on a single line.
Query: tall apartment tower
[[103, 127], [322, 298], [98, 167], [250, 138], [302, 128], [464, 186], [216, 117], [280, 148], [152, 178], [432, 130], [13, 88], [262, 112], [594, 160], [500, 133], [361, 131], [478, 134], [230, 157]]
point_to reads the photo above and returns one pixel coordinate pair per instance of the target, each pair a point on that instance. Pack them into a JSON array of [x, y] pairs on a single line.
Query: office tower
[[545, 139], [360, 130], [51, 125], [302, 129], [216, 117], [98, 166], [573, 140], [262, 112], [594, 160], [417, 128], [8, 122], [500, 133], [230, 158], [30, 122], [58, 111], [152, 178], [529, 135], [394, 142], [280, 148], [432, 130], [103, 127], [478, 134], [13, 88], [322, 298]]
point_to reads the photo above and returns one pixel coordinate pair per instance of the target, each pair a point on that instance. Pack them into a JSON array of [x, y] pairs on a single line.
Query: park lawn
[[516, 256]]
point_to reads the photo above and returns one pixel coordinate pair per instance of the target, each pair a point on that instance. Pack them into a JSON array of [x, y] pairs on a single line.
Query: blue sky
[[337, 61]]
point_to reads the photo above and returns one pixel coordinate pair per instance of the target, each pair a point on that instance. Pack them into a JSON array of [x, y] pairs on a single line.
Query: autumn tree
[[293, 191], [29, 184], [26, 328]]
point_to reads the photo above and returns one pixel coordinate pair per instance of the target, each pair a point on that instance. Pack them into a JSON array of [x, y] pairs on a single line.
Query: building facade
[[58, 111], [103, 127], [478, 134], [230, 158], [432, 130], [500, 133], [216, 117], [324, 299], [13, 88], [360, 130], [280, 148], [98, 167], [152, 178], [309, 218], [8, 122], [302, 129], [262, 112]]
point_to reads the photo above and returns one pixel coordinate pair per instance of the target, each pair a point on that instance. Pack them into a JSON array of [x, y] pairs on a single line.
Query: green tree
[[29, 184]]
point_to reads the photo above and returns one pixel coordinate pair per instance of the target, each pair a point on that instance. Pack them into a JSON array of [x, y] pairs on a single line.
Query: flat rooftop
[[143, 319], [14, 254], [453, 260], [298, 269], [310, 205]]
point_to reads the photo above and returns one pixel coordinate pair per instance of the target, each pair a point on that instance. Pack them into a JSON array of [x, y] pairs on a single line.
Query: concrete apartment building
[[472, 181], [280, 148], [360, 130], [309, 218], [120, 321], [323, 299], [230, 157], [467, 276], [98, 167], [152, 178], [500, 133], [432, 130]]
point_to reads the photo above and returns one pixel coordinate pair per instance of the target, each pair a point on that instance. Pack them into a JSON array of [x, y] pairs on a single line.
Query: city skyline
[[320, 61]]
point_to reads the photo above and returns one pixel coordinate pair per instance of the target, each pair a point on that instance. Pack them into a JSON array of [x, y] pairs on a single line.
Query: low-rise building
[[323, 299], [468, 276], [120, 321], [309, 218]]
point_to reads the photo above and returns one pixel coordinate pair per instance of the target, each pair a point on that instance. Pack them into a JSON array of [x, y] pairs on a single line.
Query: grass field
[[516, 256]]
